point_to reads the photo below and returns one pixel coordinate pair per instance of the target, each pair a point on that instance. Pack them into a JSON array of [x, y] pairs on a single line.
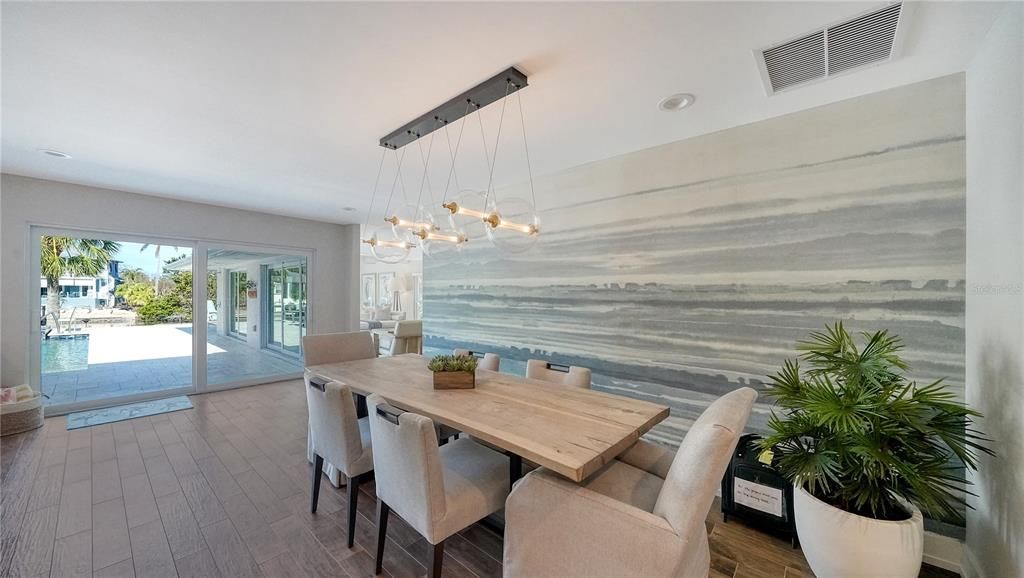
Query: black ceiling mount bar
[[491, 90]]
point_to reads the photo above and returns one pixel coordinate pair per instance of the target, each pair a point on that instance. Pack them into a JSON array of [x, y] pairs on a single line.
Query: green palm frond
[[856, 432], [60, 256]]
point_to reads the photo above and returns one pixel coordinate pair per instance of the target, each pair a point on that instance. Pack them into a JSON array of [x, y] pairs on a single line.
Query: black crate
[[745, 466]]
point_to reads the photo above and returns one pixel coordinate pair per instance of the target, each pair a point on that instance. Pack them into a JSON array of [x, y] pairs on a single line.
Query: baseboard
[[943, 552], [970, 569]]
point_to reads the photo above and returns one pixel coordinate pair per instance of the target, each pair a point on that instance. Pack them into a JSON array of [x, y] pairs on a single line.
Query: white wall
[[334, 279], [995, 300]]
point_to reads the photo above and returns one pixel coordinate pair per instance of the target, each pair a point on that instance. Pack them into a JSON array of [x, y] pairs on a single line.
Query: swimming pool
[[64, 353]]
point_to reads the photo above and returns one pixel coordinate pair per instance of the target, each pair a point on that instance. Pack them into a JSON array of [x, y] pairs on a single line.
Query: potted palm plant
[[453, 371], [868, 451]]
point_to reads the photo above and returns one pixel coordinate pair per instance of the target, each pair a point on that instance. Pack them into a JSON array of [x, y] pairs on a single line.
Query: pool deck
[[138, 359]]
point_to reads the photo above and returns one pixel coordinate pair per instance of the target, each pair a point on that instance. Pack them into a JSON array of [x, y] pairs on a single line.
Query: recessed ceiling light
[[676, 102], [55, 154]]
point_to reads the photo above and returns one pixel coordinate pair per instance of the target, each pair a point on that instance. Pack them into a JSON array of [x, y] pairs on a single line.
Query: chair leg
[[353, 499], [436, 558], [382, 534], [318, 472]]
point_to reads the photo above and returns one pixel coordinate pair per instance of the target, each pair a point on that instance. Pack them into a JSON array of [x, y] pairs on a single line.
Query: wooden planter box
[[454, 380]]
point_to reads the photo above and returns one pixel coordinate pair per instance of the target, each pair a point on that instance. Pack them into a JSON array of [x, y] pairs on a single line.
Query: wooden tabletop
[[567, 430]]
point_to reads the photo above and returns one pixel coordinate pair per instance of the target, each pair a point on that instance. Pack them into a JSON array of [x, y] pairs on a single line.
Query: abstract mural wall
[[681, 272]]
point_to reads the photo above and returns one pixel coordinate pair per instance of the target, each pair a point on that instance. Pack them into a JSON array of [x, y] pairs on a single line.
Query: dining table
[[573, 432]]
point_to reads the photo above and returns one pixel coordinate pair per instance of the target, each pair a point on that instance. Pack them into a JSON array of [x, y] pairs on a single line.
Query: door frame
[[35, 344], [205, 247]]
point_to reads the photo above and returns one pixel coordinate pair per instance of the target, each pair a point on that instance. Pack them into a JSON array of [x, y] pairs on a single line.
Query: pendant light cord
[[398, 173], [497, 140], [526, 148], [426, 163], [455, 153], [373, 196]]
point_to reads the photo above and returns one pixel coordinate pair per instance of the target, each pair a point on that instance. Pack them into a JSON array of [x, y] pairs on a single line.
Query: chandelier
[[511, 225]]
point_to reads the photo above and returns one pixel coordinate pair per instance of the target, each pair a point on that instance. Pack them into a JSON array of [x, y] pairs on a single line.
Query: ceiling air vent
[[847, 45]]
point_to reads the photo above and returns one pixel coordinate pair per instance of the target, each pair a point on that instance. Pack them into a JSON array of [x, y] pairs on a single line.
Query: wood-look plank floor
[[223, 490]]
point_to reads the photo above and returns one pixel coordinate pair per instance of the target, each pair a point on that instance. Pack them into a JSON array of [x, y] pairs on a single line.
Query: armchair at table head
[[624, 520]]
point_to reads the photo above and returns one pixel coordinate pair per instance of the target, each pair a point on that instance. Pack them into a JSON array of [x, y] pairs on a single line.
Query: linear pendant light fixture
[[415, 225]]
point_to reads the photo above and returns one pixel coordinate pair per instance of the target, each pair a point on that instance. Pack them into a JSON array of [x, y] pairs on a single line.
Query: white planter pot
[[838, 544]]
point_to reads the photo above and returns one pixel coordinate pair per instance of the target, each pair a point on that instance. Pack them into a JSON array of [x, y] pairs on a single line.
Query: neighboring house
[[93, 292]]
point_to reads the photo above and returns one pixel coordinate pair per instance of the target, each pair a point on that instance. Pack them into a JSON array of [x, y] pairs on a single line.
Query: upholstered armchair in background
[[408, 338], [637, 516]]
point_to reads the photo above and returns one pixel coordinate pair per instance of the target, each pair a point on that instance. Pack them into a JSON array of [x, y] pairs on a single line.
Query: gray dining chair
[[338, 436], [437, 490], [637, 516], [334, 348], [568, 375], [488, 361]]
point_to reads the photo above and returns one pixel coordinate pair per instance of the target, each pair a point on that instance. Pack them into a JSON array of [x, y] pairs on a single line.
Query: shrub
[[162, 309]]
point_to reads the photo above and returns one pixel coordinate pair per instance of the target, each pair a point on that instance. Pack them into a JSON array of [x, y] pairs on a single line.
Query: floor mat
[[122, 412]]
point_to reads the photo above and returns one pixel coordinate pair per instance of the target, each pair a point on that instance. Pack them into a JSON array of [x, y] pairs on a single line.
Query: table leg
[[361, 410], [515, 469]]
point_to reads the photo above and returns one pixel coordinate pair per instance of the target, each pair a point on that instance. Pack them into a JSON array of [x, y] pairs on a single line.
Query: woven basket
[[21, 416]]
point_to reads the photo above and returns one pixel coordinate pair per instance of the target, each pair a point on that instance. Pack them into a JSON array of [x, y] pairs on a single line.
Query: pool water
[[64, 353]]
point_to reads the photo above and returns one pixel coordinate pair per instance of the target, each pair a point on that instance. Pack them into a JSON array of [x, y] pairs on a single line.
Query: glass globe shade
[[387, 247], [471, 224], [437, 246], [409, 219], [518, 226]]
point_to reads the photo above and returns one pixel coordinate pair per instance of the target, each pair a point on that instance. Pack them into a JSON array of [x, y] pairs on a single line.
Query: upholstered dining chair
[[568, 375], [437, 490], [488, 361], [408, 338], [337, 435], [334, 348], [637, 516]]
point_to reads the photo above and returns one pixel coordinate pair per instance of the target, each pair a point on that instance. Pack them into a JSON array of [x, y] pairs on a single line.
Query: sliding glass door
[[239, 303], [124, 318], [259, 338], [286, 305], [115, 317]]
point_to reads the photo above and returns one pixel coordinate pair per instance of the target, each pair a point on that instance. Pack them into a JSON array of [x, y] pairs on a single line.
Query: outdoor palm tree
[[60, 256], [159, 265]]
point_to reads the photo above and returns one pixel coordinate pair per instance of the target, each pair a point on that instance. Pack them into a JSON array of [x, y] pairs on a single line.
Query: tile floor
[[223, 490], [230, 359]]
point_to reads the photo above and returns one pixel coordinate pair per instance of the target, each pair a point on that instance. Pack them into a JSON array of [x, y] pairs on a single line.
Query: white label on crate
[[759, 497]]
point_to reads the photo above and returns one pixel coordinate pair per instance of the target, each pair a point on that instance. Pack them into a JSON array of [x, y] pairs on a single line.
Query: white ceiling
[[278, 107]]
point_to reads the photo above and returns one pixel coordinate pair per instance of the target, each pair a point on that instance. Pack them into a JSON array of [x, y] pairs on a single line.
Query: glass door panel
[[239, 303], [254, 340], [115, 318]]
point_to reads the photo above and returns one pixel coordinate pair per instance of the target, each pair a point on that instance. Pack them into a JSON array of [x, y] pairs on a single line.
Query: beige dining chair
[[408, 338], [437, 490], [637, 516], [339, 437], [568, 375], [488, 361], [334, 348]]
